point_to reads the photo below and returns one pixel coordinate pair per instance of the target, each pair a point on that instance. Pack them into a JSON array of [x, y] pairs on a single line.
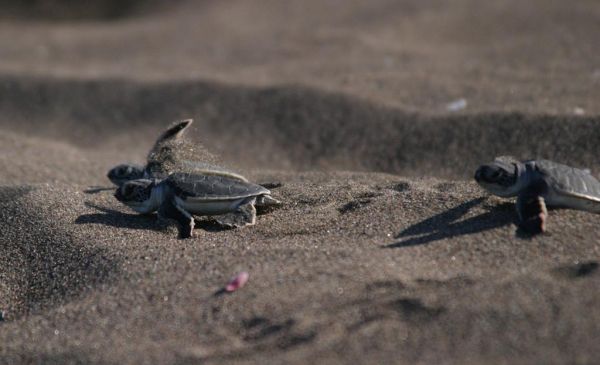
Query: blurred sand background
[[386, 251]]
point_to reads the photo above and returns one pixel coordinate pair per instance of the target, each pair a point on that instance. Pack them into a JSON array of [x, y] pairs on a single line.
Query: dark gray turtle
[[231, 202], [169, 154], [538, 183]]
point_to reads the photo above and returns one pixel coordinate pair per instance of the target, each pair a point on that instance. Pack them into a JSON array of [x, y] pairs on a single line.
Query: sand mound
[[292, 127], [43, 264]]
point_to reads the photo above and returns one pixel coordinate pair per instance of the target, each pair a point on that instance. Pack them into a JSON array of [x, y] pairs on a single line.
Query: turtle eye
[[496, 174]]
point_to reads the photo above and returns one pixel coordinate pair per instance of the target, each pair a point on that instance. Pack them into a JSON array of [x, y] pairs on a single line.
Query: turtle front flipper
[[244, 215], [175, 131], [170, 210], [163, 156], [531, 207]]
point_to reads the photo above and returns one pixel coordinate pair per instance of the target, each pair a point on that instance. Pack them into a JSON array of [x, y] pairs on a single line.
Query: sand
[[385, 250]]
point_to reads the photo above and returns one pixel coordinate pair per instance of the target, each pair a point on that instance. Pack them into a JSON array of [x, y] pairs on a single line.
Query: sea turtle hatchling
[[231, 202], [165, 157], [538, 183]]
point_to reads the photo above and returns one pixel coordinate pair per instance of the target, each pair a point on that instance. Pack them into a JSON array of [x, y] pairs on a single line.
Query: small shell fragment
[[456, 105], [237, 281]]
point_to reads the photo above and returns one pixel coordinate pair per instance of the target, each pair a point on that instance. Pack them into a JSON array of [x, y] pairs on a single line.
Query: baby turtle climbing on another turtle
[[231, 202], [538, 183], [165, 157]]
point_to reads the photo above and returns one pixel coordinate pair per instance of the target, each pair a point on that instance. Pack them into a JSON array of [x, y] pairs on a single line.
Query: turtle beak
[[118, 195]]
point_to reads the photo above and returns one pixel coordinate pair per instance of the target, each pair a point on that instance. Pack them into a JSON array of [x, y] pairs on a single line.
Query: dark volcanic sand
[[385, 250]]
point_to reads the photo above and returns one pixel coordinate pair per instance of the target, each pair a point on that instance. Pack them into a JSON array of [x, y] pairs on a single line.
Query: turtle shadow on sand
[[115, 218], [448, 224], [98, 189]]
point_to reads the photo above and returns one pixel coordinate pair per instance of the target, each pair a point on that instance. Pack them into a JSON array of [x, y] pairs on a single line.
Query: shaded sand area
[[385, 250]]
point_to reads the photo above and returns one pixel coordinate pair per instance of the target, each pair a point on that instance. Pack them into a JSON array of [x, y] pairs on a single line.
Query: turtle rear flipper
[[266, 203], [531, 207], [244, 215], [170, 210]]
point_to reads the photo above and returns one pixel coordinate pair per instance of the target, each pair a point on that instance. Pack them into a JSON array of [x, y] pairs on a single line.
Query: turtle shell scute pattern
[[569, 180], [212, 187]]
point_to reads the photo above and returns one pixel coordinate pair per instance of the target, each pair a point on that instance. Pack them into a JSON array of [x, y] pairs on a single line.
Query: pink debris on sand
[[237, 281]]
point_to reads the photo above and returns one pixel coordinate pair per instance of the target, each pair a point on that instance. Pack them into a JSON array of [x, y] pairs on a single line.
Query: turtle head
[[499, 178], [120, 174], [139, 195]]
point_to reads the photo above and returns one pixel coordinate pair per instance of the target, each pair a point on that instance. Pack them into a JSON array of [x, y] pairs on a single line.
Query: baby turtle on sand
[[166, 157], [181, 195], [538, 183]]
